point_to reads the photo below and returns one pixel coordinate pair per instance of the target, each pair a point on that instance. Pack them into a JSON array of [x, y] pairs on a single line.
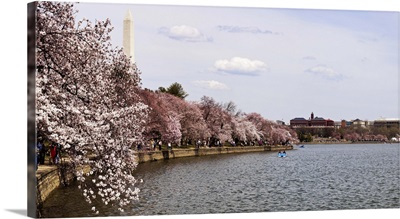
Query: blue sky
[[281, 63]]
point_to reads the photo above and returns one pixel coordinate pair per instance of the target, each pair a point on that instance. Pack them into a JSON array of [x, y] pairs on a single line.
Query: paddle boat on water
[[282, 154], [301, 146]]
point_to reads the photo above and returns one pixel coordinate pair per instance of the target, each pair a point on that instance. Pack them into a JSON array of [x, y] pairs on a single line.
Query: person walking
[[58, 153], [39, 148], [42, 154], [159, 145], [53, 154]]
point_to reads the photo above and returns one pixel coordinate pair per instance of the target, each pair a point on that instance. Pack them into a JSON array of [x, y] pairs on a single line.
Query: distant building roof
[[299, 119], [387, 119]]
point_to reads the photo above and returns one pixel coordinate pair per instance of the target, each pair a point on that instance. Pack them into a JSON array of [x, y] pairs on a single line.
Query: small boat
[[281, 154], [301, 146]]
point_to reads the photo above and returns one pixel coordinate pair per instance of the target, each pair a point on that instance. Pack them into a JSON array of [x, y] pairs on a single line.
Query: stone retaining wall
[[146, 156], [48, 178]]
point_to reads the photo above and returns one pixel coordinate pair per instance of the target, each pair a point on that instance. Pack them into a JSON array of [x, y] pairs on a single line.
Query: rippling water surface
[[317, 177]]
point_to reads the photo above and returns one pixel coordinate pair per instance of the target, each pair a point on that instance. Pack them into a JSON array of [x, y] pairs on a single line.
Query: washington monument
[[128, 37]]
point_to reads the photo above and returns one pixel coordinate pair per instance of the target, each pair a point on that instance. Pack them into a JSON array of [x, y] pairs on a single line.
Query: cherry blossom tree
[[244, 130], [336, 135], [271, 131], [352, 136], [192, 124], [288, 135], [162, 123], [217, 119], [380, 137], [281, 135], [263, 126], [87, 101]]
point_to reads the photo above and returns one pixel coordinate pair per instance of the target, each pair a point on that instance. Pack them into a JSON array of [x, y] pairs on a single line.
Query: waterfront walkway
[[44, 169]]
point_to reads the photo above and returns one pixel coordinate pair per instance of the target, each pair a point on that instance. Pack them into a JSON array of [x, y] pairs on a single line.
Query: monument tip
[[128, 15]]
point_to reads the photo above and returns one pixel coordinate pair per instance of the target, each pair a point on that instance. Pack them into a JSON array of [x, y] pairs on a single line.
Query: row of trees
[[175, 120], [351, 133], [89, 100], [360, 133]]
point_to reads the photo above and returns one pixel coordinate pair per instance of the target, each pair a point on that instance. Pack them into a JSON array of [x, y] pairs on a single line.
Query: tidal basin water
[[317, 177]]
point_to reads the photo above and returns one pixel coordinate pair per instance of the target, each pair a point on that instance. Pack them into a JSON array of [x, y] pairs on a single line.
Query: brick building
[[311, 122]]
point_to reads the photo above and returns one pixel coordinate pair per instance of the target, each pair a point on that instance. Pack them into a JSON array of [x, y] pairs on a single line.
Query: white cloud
[[214, 85], [238, 65], [312, 58], [247, 29], [325, 72], [184, 33]]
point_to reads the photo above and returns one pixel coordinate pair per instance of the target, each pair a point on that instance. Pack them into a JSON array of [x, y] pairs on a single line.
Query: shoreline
[[149, 156], [346, 142]]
